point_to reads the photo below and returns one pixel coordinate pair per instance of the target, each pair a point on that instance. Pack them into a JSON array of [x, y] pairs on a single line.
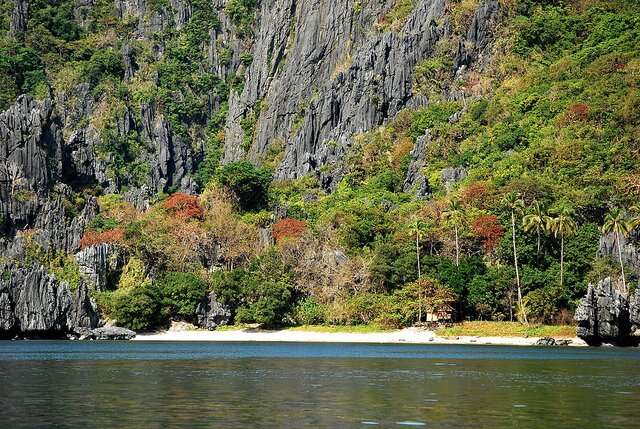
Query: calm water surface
[[158, 385]]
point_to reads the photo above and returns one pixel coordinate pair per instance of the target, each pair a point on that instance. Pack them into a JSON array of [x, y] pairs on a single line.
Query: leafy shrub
[[241, 13], [138, 308], [308, 312], [102, 65], [251, 185], [181, 293]]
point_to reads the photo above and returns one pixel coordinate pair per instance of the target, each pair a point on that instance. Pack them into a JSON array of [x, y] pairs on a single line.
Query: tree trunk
[[624, 283], [561, 260], [419, 284], [457, 251], [418, 253], [515, 261]]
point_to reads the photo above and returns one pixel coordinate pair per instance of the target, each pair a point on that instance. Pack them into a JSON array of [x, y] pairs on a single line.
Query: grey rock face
[[415, 178], [335, 76], [603, 315], [34, 303], [630, 255], [334, 79], [98, 262], [19, 18], [451, 175], [634, 312], [211, 313]]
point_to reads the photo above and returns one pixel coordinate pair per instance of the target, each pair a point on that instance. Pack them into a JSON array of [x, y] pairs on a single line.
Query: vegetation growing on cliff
[[551, 127]]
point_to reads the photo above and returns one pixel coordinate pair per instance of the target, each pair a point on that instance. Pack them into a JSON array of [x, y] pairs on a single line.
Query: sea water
[[293, 385]]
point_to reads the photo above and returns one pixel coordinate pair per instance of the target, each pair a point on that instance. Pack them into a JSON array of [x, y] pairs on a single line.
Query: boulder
[[211, 313], [104, 333], [603, 315]]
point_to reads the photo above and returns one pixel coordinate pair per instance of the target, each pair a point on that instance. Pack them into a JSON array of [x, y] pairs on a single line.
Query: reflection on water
[[129, 384]]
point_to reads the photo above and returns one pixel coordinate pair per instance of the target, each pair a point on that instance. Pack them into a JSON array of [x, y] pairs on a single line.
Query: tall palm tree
[[562, 225], [616, 223], [514, 204], [536, 221], [456, 215], [417, 228]]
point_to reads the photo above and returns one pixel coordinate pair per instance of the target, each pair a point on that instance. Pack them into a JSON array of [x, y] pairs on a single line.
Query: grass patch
[[356, 329], [506, 329], [231, 327]]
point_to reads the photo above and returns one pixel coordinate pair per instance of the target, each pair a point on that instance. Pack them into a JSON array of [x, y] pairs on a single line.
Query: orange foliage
[[94, 238], [489, 230], [475, 194], [578, 112], [288, 228], [183, 205]]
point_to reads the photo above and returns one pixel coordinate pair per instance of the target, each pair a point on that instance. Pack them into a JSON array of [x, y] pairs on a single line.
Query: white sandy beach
[[406, 336]]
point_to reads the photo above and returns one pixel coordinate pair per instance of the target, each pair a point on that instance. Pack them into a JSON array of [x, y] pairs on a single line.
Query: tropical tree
[[514, 204], [536, 221], [616, 224], [456, 214], [418, 227], [562, 225]]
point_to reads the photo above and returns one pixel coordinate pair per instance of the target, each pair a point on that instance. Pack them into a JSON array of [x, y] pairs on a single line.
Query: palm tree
[[562, 225], [417, 227], [514, 203], [456, 215], [615, 223], [536, 221], [634, 221]]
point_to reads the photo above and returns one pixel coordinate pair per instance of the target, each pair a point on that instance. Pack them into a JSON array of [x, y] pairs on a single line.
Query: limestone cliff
[[312, 75]]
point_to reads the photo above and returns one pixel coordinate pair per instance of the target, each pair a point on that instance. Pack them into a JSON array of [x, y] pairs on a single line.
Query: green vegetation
[[242, 13], [506, 329], [548, 135]]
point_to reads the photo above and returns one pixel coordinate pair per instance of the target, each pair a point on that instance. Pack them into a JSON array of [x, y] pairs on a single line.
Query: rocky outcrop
[[211, 313], [451, 175], [18, 23], [103, 333], [630, 255], [604, 315], [35, 303], [415, 179], [548, 341], [98, 263]]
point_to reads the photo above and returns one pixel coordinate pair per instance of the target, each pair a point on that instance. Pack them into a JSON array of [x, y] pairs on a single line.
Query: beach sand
[[405, 336]]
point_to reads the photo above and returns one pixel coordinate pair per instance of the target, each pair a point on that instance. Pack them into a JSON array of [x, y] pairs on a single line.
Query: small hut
[[442, 313]]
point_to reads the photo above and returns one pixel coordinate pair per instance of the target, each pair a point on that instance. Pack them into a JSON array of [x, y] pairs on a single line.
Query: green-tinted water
[[129, 384]]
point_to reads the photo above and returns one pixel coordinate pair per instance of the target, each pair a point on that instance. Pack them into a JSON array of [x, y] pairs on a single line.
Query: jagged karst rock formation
[[34, 303], [332, 78], [607, 315], [211, 313], [630, 256]]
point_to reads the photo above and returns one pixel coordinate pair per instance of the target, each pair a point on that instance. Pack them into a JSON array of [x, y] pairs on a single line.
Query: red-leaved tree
[[94, 238], [575, 113], [288, 228], [183, 206], [489, 230]]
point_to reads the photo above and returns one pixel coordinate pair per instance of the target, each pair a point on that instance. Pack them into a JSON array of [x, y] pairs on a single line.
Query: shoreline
[[404, 336]]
